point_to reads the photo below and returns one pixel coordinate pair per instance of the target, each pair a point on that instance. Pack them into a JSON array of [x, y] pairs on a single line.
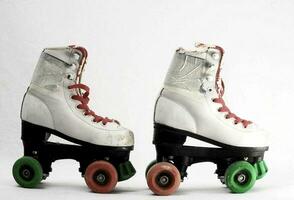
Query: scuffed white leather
[[188, 92], [64, 54], [170, 113], [50, 86], [35, 111]]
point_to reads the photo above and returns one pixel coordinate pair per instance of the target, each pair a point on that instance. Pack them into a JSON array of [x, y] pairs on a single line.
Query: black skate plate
[[30, 130], [169, 143], [36, 145]]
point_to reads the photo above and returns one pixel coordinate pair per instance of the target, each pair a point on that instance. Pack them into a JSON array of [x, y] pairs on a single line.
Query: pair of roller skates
[[189, 105]]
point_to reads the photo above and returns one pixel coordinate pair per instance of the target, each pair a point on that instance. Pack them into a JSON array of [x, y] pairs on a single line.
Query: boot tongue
[[81, 59], [220, 87], [83, 51], [83, 54]]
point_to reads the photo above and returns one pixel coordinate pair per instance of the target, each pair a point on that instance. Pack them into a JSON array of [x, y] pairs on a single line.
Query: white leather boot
[[191, 100], [191, 104], [56, 103]]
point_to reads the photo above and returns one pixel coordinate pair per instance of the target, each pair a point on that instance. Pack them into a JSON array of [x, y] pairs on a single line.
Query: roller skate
[[191, 105], [55, 104]]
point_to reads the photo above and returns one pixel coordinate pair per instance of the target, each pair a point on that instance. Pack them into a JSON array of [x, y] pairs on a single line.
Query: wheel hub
[[164, 180], [100, 178], [26, 173], [241, 178]]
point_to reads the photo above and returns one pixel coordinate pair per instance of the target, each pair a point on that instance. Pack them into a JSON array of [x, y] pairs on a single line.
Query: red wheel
[[163, 178], [101, 176]]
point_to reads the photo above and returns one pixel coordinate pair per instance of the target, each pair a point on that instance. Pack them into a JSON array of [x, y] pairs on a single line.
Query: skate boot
[[56, 104], [191, 105]]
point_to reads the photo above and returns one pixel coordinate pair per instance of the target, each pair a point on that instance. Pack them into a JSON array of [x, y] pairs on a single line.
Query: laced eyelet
[[84, 101], [235, 123], [227, 116], [219, 109], [213, 99]]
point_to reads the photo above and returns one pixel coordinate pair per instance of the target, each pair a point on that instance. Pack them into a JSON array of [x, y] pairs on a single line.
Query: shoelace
[[84, 99], [224, 108]]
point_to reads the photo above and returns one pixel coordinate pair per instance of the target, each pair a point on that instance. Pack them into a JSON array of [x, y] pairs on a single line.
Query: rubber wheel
[[261, 169], [101, 176], [153, 162], [240, 176], [27, 172], [163, 178]]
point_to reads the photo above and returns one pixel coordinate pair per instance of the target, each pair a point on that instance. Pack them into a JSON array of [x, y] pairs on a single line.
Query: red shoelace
[[224, 108], [84, 99], [220, 100]]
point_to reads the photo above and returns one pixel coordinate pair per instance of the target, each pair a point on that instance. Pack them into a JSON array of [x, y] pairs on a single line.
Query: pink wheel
[[101, 176], [163, 178]]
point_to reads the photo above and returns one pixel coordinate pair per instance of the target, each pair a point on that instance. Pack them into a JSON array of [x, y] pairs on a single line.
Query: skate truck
[[191, 105], [56, 104]]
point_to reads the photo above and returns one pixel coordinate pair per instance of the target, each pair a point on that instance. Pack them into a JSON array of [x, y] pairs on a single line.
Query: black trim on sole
[[167, 134], [29, 132]]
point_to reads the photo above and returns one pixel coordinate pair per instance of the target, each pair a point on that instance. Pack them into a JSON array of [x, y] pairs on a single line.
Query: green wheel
[[153, 162], [240, 177], [27, 172], [261, 169]]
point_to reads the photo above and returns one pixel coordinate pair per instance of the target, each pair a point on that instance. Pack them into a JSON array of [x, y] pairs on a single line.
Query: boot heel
[[32, 132], [33, 138]]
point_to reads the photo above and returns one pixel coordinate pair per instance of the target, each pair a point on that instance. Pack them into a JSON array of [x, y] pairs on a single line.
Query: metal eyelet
[[76, 56], [70, 77], [207, 64], [215, 56]]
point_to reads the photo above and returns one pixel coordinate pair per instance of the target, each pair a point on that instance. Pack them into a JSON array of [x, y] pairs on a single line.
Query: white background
[[130, 46]]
